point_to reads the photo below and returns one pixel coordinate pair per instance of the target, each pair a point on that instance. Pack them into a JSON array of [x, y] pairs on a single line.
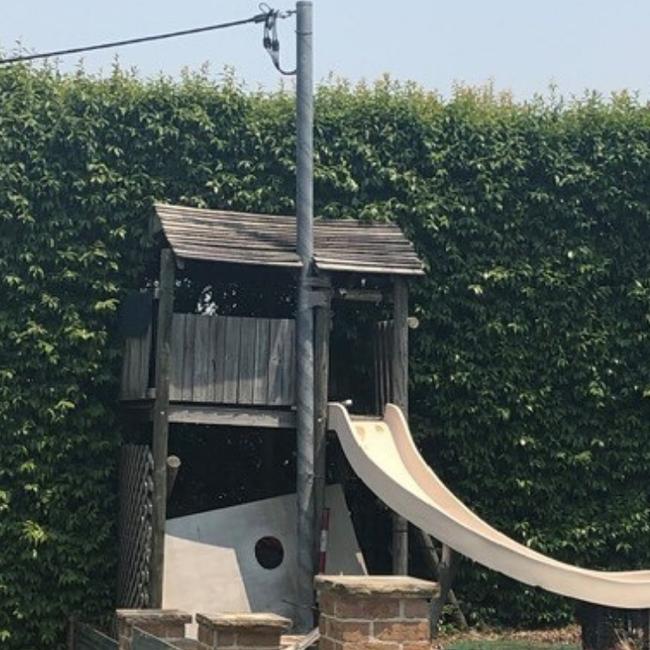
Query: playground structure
[[209, 369], [240, 371]]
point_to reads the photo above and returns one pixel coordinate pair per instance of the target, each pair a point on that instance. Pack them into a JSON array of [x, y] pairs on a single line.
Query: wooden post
[[446, 574], [322, 326], [161, 425], [399, 380], [430, 556], [173, 465], [71, 633]]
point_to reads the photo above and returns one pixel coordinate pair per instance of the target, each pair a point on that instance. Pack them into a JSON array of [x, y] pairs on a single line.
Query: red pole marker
[[324, 529]]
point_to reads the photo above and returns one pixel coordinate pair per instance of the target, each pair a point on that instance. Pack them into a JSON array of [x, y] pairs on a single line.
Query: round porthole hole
[[269, 552]]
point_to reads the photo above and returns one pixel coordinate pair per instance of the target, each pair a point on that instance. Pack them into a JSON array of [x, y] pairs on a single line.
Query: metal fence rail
[[144, 641], [88, 638]]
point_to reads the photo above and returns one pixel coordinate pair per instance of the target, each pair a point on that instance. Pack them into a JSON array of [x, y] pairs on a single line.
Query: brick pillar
[[374, 612], [241, 631], [163, 623]]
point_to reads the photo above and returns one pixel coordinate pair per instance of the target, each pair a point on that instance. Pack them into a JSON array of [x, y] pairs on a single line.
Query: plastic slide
[[384, 456]]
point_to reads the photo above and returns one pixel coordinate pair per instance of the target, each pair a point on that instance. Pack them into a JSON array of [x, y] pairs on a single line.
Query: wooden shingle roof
[[267, 240]]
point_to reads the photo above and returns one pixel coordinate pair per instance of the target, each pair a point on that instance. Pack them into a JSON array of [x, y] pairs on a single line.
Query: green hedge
[[530, 368]]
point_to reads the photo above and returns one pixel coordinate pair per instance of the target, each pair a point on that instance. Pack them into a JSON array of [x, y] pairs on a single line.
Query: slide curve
[[384, 456]]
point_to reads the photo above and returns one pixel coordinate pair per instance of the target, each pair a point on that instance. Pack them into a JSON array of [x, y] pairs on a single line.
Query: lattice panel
[[135, 527]]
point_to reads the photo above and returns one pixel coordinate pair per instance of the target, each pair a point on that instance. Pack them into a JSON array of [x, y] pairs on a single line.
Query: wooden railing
[[232, 360], [219, 359]]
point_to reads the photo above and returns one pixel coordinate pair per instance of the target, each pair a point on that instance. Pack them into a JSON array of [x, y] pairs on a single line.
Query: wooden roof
[[243, 238]]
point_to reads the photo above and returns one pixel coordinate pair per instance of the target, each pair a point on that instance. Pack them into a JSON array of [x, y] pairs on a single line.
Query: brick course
[[241, 631], [374, 612], [162, 623]]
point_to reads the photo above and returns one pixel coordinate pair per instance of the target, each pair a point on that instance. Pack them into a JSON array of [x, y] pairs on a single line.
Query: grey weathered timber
[[135, 366], [322, 327], [219, 414], [361, 295], [287, 337], [446, 573], [243, 416], [262, 358], [177, 361], [276, 349], [270, 240], [161, 424], [189, 344], [399, 351], [219, 338], [232, 360], [246, 374], [399, 390], [305, 318], [173, 466], [431, 559], [88, 638], [204, 360]]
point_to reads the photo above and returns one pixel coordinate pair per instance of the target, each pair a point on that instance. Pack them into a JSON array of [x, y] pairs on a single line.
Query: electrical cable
[[259, 18]]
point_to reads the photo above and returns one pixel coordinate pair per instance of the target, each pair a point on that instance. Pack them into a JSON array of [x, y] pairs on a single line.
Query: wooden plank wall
[[232, 360], [135, 366]]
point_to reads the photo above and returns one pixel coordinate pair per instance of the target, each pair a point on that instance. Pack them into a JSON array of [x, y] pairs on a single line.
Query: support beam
[[446, 573], [232, 416], [431, 559], [161, 425], [322, 327], [258, 417], [399, 390], [362, 295]]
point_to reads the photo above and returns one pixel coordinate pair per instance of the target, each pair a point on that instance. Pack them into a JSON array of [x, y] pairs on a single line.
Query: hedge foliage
[[531, 367]]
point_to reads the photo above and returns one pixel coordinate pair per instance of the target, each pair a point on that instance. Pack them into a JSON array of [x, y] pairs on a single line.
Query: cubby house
[[230, 370]]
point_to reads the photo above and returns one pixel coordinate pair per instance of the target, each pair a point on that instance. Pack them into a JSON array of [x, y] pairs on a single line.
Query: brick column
[[374, 612], [163, 623], [241, 631]]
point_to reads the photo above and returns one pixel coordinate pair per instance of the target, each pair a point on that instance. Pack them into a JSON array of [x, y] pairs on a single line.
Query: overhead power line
[[259, 18]]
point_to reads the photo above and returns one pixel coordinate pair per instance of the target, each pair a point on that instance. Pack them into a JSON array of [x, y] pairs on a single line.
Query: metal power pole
[[305, 316]]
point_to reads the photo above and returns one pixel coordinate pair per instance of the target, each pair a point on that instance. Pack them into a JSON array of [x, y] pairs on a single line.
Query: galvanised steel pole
[[305, 316]]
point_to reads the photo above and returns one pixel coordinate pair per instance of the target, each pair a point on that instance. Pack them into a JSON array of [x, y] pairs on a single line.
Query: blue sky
[[522, 46]]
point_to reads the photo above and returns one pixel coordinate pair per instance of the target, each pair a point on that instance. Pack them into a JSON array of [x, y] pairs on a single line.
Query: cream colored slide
[[384, 456]]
